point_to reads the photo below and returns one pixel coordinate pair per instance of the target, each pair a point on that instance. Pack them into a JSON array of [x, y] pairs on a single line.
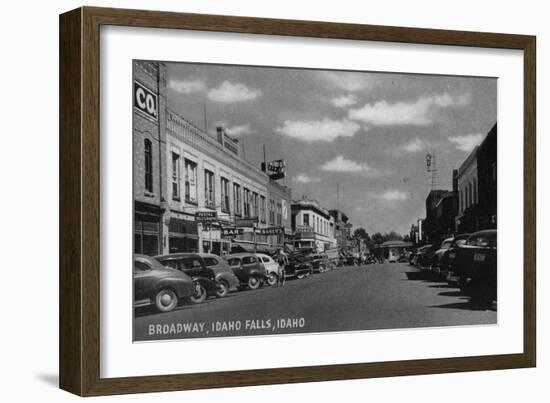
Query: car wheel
[[271, 279], [199, 295], [166, 300], [254, 283], [222, 289], [322, 269], [300, 276]]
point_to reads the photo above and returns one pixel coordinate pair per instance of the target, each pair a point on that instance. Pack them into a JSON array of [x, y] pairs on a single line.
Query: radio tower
[[431, 168]]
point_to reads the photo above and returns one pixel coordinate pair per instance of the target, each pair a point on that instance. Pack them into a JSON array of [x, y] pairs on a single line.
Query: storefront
[[182, 236], [147, 236]]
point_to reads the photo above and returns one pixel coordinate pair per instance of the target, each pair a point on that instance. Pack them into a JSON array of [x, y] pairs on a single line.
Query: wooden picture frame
[[79, 280]]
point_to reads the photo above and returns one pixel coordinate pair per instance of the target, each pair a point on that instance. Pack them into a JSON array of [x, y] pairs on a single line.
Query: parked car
[[193, 265], [299, 266], [449, 255], [320, 263], [160, 286], [271, 268], [226, 280], [435, 263], [248, 268], [475, 265], [420, 256]]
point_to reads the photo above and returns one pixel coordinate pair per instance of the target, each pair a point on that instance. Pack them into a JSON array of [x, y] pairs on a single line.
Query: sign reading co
[[145, 101]]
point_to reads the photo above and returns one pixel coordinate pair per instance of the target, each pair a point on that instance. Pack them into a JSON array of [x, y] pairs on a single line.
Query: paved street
[[379, 296]]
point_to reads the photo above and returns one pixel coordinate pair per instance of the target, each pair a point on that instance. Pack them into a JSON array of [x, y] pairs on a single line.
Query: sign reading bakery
[[145, 101]]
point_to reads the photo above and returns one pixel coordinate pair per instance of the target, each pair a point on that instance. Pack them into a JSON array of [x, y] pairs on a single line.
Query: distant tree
[[393, 236], [378, 238], [407, 238], [361, 233]]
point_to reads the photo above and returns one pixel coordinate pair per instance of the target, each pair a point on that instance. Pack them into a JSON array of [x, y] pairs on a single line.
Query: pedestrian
[[282, 260]]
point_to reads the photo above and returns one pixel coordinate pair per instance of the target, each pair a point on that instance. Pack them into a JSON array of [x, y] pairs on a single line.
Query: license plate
[[479, 257]]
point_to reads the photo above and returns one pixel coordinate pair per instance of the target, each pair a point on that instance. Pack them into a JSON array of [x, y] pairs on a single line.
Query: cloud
[[467, 142], [241, 130], [186, 86], [340, 164], [391, 195], [318, 130], [348, 81], [229, 93], [305, 178], [405, 113], [413, 146], [344, 101]]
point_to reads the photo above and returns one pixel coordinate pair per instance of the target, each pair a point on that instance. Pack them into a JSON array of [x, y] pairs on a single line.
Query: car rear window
[[234, 261], [249, 259], [210, 261], [191, 263], [481, 241]]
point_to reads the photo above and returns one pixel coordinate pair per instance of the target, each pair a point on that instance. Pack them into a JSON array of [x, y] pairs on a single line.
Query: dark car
[[155, 284], [422, 255], [193, 265], [248, 269], [449, 255], [299, 266], [475, 265], [226, 280], [320, 263]]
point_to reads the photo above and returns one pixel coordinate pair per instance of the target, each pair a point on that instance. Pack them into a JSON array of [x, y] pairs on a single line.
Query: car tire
[[199, 295], [322, 269], [272, 279], [166, 300], [254, 283], [222, 289]]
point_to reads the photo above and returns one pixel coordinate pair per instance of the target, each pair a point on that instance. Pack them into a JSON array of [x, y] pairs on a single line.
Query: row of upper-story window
[[318, 223], [468, 195], [234, 199]]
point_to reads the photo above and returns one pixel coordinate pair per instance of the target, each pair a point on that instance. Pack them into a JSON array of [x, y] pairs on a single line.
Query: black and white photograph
[[275, 200]]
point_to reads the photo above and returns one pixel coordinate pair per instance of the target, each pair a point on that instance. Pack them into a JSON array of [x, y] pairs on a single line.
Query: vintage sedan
[[226, 280], [271, 268], [160, 286], [446, 261], [320, 263], [193, 265], [299, 266], [248, 269], [438, 254], [475, 265]]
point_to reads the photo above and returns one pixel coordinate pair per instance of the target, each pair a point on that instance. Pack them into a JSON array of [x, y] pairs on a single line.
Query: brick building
[[181, 171]]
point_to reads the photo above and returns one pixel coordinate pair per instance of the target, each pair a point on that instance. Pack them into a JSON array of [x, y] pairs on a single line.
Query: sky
[[365, 133]]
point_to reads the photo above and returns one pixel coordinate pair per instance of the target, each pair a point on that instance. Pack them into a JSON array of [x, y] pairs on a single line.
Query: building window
[[209, 200], [225, 194], [271, 212], [255, 205], [148, 155], [190, 181], [475, 192], [262, 209], [175, 176], [237, 199], [279, 214], [246, 200], [305, 219]]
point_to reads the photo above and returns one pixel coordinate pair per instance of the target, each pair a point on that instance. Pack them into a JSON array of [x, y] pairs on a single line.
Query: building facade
[[182, 173], [342, 230], [313, 226], [149, 138]]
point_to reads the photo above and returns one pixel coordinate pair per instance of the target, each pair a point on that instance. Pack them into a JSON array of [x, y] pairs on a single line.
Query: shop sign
[[145, 101], [231, 232], [269, 231], [304, 228], [246, 222], [206, 216], [275, 169]]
